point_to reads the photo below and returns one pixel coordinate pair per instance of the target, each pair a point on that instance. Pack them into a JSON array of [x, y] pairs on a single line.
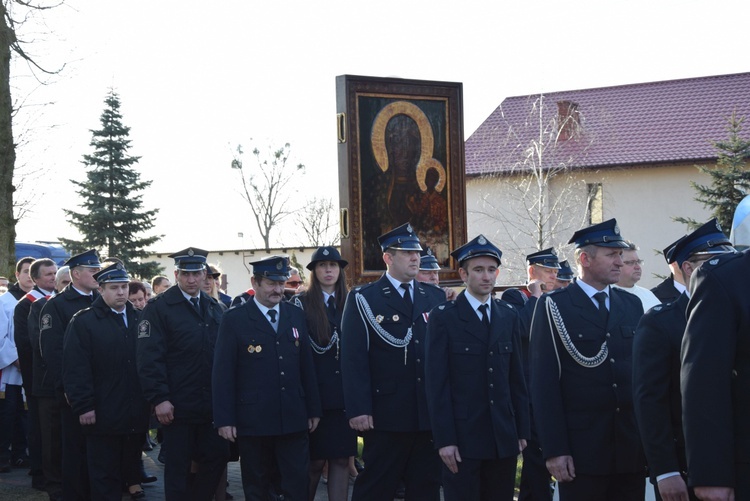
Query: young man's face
[[479, 275], [190, 281], [115, 294]]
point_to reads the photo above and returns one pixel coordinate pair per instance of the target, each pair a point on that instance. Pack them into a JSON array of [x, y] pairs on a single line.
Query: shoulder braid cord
[[365, 312], [320, 350], [553, 314]]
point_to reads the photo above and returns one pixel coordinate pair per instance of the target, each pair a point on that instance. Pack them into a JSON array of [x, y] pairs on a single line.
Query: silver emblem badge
[[325, 252], [718, 226], [409, 228], [191, 252], [144, 329], [554, 252], [482, 240], [279, 265], [617, 230], [441, 307], [713, 262]]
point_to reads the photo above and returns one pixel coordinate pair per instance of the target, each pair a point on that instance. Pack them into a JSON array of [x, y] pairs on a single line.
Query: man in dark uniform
[[656, 369], [43, 390], [176, 338], [382, 361], [543, 267], [429, 272], [53, 322], [42, 272], [476, 390], [101, 383], [715, 379], [265, 389], [565, 275], [581, 376], [671, 287]]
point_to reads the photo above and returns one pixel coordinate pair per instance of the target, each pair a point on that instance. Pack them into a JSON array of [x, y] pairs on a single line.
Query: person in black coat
[[175, 354], [53, 322], [476, 390], [265, 391], [542, 269], [671, 287], [715, 379], [101, 383], [382, 362], [323, 302], [656, 369], [581, 376]]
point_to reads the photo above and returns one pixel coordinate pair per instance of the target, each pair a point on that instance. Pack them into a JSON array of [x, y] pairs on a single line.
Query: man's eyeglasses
[[633, 262]]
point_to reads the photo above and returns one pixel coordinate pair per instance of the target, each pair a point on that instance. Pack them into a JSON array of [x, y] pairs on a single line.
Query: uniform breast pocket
[[466, 357], [626, 334]]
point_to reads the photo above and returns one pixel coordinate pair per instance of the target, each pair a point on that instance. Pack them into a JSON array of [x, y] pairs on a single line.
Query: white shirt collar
[[476, 303], [397, 285]]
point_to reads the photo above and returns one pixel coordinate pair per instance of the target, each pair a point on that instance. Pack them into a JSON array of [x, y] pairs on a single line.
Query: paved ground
[[16, 485]]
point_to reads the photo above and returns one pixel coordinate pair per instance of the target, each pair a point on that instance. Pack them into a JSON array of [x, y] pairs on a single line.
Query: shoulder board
[[362, 287], [500, 302], [722, 259], [446, 306]]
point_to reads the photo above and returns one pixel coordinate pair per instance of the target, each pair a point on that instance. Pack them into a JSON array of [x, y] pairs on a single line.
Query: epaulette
[[722, 259], [500, 302], [446, 305], [362, 287]]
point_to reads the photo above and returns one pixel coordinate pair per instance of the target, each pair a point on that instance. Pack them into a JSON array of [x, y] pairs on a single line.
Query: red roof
[[647, 123]]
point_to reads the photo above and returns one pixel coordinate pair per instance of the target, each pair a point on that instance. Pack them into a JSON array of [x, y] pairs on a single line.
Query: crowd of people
[[599, 383]]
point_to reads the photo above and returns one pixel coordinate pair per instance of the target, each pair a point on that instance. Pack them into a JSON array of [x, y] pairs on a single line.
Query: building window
[[595, 209]]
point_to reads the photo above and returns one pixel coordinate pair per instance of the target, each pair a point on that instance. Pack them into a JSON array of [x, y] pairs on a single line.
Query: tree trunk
[[7, 152]]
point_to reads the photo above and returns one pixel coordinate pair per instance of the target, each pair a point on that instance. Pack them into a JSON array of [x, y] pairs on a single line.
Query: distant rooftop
[[673, 121]]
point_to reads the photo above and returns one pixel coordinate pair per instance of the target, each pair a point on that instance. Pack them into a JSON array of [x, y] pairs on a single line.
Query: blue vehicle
[[38, 250]]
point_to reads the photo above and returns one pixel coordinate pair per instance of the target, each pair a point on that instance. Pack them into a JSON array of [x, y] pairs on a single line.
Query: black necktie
[[195, 300], [123, 318], [485, 316], [331, 308], [272, 316], [601, 298], [407, 295]]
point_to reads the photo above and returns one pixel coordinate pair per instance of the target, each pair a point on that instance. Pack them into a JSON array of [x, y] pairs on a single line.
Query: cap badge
[[325, 252], [617, 230], [482, 240], [120, 266], [191, 252], [554, 252], [718, 226], [409, 228], [429, 252], [279, 265]]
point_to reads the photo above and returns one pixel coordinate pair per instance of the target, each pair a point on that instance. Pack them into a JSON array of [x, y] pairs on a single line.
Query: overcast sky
[[197, 78]]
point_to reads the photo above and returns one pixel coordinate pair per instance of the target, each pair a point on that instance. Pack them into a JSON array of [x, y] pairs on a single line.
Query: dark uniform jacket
[[524, 304], [586, 412], [21, 336], [715, 373], [42, 385], [666, 291], [476, 393], [99, 371], [328, 364], [55, 317], [264, 380], [175, 353], [656, 386], [382, 380]]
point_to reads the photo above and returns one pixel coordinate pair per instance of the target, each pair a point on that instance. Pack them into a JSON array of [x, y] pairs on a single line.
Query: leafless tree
[[530, 191], [267, 186], [13, 14], [318, 221]]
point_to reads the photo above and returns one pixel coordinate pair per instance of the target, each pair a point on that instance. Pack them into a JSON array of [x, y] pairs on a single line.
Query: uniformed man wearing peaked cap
[[176, 338], [565, 274], [382, 361], [581, 375], [671, 287], [53, 321], [265, 389], [429, 272], [542, 269], [101, 383], [656, 368], [476, 394]]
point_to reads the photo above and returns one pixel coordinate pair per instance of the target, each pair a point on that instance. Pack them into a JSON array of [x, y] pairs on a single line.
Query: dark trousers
[[392, 456], [186, 442], [480, 480], [261, 457], [111, 458], [34, 435], [617, 487], [12, 425], [75, 479], [50, 423], [535, 478]]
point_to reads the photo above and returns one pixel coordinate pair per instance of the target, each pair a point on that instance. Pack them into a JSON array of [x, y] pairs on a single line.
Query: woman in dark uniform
[[333, 441]]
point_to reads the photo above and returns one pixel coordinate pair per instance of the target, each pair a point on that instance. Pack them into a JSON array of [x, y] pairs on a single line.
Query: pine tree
[[113, 213], [730, 180]]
